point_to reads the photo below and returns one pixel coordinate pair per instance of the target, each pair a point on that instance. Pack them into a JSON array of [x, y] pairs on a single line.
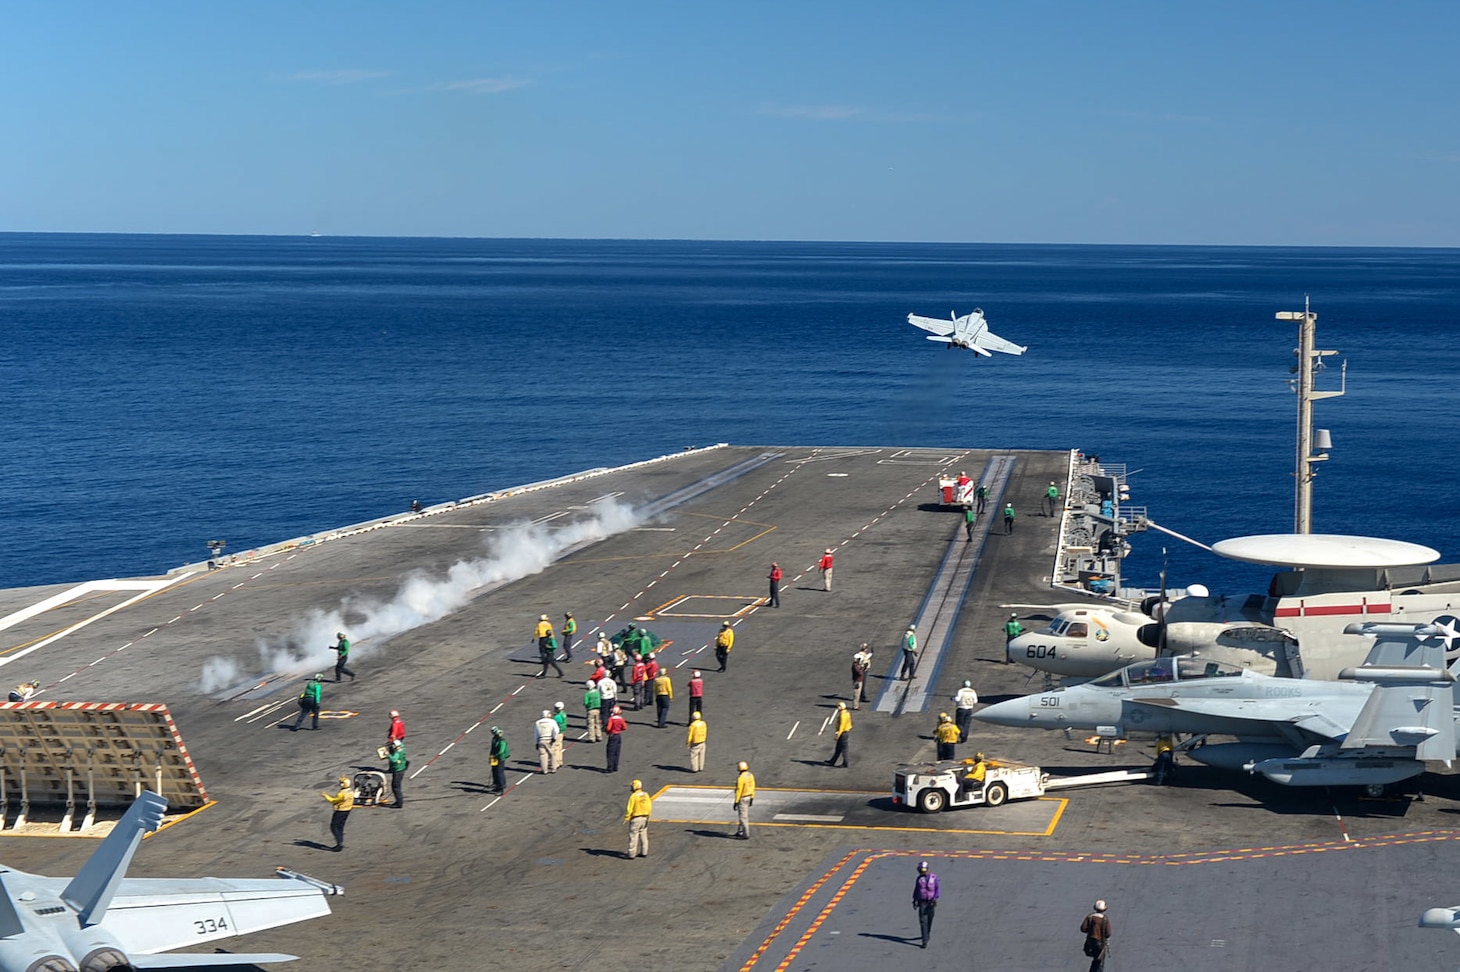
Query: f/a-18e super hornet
[[970, 331], [102, 921], [1376, 724]]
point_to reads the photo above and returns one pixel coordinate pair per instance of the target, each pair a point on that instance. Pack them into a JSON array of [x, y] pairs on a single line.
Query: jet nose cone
[[1017, 649], [1015, 712]]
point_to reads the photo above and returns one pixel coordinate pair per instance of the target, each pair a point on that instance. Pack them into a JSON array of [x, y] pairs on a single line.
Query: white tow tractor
[[933, 786]]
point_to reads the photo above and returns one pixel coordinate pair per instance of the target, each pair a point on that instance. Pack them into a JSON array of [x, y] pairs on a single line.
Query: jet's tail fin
[[1414, 695], [90, 891], [10, 923]]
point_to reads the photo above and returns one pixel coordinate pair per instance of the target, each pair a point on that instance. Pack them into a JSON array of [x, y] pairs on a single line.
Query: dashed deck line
[[1073, 857]]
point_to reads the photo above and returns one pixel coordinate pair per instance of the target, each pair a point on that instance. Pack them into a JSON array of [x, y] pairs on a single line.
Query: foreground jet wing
[[103, 920], [931, 324], [992, 342]]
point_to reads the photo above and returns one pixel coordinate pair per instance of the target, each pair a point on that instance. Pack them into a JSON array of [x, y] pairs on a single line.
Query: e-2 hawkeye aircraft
[[970, 331], [1088, 640], [102, 921], [1297, 629], [1375, 725]]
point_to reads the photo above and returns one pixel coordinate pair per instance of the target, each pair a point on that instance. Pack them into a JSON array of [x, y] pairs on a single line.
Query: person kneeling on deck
[[973, 779], [24, 691]]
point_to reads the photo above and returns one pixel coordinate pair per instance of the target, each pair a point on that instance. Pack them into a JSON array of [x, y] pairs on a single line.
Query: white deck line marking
[[194, 608], [238, 585], [98, 661], [152, 632], [811, 817], [270, 709], [447, 749], [127, 645], [490, 805], [496, 707], [793, 730], [218, 595], [275, 566], [520, 688], [72, 675], [824, 723], [178, 618], [246, 714], [257, 576]]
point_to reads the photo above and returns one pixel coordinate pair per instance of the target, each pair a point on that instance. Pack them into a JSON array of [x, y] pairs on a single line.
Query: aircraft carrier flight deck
[[1216, 871]]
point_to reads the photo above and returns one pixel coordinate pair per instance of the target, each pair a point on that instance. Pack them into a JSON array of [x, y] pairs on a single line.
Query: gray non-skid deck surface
[[536, 879], [1347, 907]]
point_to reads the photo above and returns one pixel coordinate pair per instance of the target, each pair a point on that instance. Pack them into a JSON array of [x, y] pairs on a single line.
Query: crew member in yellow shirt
[[343, 802], [636, 815], [698, 731], [744, 797]]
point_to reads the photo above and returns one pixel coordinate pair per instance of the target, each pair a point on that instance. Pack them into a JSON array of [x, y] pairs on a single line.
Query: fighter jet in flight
[[970, 331], [1376, 725], [101, 920]]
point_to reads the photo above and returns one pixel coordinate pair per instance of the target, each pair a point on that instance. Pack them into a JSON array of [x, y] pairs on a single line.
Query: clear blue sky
[[1089, 122]]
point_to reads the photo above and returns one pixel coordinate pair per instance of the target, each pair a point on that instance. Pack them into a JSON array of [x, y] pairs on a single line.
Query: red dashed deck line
[[1175, 860], [824, 914], [796, 908]]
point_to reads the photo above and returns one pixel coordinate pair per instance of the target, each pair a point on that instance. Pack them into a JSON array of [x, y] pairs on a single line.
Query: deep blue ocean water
[[161, 391]]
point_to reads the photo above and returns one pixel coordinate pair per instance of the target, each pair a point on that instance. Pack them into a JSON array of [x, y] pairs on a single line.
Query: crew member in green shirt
[[309, 701]]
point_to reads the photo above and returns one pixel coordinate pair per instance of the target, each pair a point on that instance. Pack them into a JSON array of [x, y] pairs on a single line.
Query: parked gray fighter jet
[[1376, 725], [101, 921]]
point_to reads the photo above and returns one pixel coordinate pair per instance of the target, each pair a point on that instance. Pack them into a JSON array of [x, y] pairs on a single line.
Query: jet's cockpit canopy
[[1159, 671]]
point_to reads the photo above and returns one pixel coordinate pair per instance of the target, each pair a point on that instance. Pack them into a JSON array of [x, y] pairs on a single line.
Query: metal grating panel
[[100, 753]]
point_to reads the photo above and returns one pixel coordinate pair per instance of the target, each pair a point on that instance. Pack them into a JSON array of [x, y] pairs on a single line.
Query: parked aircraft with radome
[[970, 331], [1297, 629], [101, 921], [1376, 724], [1090, 640]]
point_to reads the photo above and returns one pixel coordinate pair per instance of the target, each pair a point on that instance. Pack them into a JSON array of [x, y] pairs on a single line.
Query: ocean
[[163, 391]]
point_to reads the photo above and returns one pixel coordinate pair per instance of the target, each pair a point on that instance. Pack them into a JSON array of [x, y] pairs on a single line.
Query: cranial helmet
[[743, 766], [1100, 905], [636, 785]]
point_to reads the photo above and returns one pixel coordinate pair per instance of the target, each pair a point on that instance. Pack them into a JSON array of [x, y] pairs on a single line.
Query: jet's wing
[[931, 324], [988, 339], [206, 960], [1329, 719], [158, 914]]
